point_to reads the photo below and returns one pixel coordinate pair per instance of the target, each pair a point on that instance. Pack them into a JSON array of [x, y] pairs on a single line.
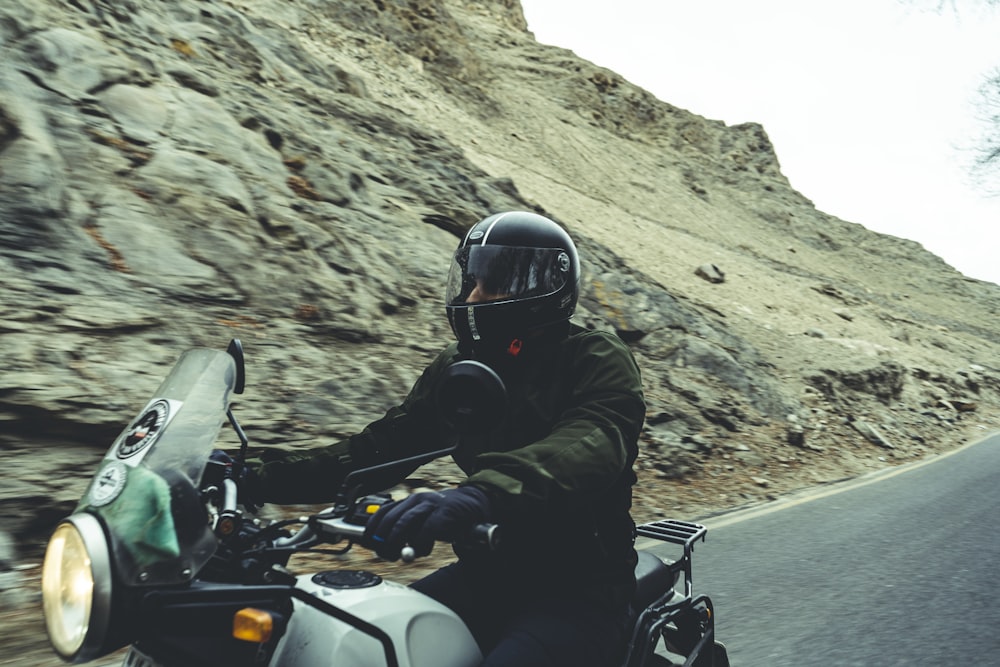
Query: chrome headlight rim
[[91, 534]]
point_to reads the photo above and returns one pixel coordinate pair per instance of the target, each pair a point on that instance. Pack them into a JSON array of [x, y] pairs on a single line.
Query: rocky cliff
[[296, 173]]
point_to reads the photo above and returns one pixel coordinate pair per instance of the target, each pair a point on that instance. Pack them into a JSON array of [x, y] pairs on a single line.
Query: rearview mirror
[[471, 397], [235, 350]]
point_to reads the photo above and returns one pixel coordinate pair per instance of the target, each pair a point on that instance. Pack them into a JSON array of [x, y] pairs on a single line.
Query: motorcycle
[[163, 555]]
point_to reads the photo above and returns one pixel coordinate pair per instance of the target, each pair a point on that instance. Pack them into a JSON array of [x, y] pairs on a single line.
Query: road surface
[[902, 568]]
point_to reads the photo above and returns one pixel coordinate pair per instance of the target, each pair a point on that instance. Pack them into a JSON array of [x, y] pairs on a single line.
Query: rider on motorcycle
[[556, 473]]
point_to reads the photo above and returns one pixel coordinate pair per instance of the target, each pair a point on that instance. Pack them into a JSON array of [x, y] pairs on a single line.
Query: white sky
[[870, 104]]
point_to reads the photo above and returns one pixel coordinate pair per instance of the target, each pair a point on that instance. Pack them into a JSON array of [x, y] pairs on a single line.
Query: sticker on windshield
[[108, 483], [143, 432]]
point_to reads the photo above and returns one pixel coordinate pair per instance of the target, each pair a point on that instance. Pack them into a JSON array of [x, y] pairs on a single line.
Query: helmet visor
[[496, 273]]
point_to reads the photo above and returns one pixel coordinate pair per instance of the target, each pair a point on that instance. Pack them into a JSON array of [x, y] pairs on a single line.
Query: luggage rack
[[683, 533], [671, 617], [669, 530]]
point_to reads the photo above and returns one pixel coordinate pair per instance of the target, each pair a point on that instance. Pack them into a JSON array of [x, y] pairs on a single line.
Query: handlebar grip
[[482, 536], [230, 495], [229, 521]]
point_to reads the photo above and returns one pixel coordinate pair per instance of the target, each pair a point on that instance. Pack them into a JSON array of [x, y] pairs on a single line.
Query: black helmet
[[513, 273]]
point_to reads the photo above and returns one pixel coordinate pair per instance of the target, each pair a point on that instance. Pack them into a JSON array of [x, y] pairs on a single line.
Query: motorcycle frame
[[169, 609]]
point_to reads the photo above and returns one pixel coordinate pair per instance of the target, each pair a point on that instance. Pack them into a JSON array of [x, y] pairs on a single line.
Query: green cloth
[[140, 517]]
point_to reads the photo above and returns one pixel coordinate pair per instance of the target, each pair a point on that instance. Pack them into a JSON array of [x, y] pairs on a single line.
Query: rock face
[[296, 173]]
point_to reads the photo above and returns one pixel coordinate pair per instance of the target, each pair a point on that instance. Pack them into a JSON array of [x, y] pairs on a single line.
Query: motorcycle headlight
[[76, 588]]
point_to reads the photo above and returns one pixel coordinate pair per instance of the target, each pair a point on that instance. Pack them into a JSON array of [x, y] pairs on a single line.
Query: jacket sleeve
[[315, 475], [593, 441]]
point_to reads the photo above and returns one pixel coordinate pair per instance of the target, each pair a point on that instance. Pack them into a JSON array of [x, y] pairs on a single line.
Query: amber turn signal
[[253, 625]]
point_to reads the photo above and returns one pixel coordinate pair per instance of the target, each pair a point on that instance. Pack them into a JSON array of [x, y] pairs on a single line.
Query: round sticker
[[144, 430], [108, 483]]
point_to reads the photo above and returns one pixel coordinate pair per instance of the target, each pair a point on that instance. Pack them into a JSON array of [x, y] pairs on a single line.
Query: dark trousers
[[521, 625]]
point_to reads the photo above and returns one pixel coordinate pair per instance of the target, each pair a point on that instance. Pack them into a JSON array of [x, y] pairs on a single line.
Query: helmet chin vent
[[473, 329]]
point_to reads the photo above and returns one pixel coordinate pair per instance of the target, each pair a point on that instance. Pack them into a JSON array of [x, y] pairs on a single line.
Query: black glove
[[222, 466], [422, 518]]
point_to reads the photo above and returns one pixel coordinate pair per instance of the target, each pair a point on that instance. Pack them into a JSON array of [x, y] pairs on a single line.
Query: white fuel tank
[[424, 632]]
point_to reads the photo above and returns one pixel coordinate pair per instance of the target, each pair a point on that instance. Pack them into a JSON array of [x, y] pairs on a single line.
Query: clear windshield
[[489, 273], [146, 487]]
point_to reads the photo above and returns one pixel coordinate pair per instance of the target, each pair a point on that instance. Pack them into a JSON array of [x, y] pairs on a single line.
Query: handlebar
[[325, 527]]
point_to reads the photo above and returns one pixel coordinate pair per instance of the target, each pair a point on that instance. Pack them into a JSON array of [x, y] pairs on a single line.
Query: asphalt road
[[898, 569]]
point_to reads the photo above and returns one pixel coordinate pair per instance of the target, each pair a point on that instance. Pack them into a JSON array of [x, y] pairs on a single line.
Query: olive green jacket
[[558, 469]]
